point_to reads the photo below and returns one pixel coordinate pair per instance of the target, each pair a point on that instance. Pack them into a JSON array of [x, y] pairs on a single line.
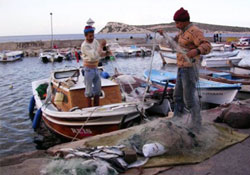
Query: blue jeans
[[92, 82], [184, 93]]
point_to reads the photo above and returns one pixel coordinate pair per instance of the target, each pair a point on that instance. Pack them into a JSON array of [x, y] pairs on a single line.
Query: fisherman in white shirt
[[92, 51]]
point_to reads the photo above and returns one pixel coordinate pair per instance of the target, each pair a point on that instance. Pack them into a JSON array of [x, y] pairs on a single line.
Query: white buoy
[[11, 86]]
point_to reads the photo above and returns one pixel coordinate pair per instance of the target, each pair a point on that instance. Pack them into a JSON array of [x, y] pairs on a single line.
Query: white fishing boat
[[211, 92], [165, 49], [221, 54], [210, 60], [11, 56], [169, 58], [243, 43], [220, 62], [218, 47], [65, 110], [128, 51], [51, 56]]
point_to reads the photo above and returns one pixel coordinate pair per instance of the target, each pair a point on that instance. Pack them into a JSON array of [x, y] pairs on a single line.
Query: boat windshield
[[66, 74]]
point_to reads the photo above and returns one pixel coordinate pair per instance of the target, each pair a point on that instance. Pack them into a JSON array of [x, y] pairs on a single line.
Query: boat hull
[[218, 96], [11, 56], [78, 131], [169, 59], [211, 92], [85, 128], [220, 62]]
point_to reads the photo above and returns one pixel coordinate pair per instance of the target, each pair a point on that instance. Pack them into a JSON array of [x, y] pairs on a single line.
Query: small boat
[[168, 58], [51, 56], [11, 56], [210, 70], [70, 54], [65, 110], [165, 49], [220, 62], [221, 55], [225, 77], [244, 43], [210, 61], [132, 51], [218, 47], [211, 91]]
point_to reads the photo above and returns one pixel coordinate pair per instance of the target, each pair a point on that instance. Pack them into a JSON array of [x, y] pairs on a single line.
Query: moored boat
[[168, 58], [225, 77], [211, 91], [220, 62], [244, 43], [65, 110], [129, 51], [222, 54], [11, 56], [218, 47], [51, 56]]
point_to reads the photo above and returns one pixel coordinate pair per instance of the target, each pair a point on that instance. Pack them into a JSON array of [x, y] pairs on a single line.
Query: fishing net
[[78, 166], [183, 145]]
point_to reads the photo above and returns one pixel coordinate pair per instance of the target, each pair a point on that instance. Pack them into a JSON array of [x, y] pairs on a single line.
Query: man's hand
[[192, 53]]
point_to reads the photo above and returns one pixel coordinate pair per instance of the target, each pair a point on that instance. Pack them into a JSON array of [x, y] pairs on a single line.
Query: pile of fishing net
[[162, 142]]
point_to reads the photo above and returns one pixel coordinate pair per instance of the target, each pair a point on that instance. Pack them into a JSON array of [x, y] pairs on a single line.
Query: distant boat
[[132, 51], [11, 56], [226, 77], [218, 47], [221, 54], [244, 43], [169, 58], [211, 91], [165, 49], [220, 62], [51, 56], [210, 60]]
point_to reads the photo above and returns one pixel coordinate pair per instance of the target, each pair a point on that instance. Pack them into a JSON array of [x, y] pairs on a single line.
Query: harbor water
[[16, 133]]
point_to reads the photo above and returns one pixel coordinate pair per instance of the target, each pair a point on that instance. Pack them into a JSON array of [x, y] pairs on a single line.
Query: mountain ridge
[[118, 27]]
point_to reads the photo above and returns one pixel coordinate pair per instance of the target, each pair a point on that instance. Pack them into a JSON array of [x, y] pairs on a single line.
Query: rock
[[236, 116]]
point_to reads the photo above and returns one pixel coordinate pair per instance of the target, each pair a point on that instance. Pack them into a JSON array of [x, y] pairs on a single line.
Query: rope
[[149, 75], [84, 123]]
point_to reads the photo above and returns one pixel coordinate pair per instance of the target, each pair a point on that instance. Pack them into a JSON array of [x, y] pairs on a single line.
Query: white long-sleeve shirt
[[90, 53]]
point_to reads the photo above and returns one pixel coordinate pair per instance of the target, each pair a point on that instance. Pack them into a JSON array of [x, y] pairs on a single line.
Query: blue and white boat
[[211, 91], [11, 56]]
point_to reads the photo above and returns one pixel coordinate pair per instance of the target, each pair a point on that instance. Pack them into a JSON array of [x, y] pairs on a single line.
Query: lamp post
[[51, 21]]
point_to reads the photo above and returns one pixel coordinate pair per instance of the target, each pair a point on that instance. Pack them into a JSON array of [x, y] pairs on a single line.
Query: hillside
[[116, 27]]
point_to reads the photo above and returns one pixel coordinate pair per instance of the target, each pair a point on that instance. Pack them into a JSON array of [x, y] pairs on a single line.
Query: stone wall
[[37, 45]]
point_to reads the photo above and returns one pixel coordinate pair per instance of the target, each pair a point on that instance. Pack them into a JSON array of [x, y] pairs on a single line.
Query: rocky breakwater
[[33, 48]]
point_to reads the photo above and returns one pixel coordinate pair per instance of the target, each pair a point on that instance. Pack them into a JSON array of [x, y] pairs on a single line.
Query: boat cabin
[[68, 88]]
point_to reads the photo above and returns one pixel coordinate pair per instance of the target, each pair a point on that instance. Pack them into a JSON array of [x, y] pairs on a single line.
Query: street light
[[51, 30]]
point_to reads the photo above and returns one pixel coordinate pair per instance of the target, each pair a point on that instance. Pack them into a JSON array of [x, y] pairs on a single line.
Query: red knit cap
[[181, 15]]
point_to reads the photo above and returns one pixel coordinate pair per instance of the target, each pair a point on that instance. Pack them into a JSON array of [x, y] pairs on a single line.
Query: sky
[[32, 17]]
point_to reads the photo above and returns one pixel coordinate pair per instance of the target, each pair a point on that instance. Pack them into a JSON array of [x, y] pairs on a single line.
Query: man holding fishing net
[[191, 44], [92, 51]]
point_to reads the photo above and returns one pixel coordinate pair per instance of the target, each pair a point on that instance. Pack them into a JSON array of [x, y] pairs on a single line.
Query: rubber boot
[[96, 100], [89, 102]]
